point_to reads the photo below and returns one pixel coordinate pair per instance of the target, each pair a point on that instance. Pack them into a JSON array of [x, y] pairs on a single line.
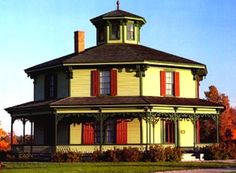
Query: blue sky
[[32, 32]]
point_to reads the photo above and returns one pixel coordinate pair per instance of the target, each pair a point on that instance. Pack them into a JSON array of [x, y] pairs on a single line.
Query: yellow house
[[113, 95]]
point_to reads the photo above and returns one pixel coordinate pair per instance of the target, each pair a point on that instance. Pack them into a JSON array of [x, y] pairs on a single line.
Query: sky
[[32, 32]]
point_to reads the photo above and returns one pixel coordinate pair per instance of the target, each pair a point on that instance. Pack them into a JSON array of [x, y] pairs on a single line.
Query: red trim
[[95, 83], [177, 87], [163, 83], [121, 132], [113, 82], [88, 133]]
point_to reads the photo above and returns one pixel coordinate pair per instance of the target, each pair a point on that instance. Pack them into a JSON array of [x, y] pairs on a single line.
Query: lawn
[[137, 167]]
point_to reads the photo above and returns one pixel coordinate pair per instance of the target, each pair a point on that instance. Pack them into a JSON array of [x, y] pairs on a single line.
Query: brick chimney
[[79, 41]]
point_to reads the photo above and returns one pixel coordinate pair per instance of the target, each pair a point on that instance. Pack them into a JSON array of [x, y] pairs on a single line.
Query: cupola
[[118, 26]]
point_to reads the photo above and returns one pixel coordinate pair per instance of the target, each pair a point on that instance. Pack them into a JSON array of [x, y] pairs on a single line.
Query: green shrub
[[222, 151], [173, 154], [66, 157], [130, 155], [154, 154], [112, 156]]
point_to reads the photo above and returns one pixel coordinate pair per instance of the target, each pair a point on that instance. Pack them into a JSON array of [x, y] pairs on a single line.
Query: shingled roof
[[113, 101], [113, 53]]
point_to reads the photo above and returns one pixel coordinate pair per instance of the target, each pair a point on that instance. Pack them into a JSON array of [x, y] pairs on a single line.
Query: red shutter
[[176, 84], [121, 132], [95, 83], [88, 133], [163, 83], [113, 82]]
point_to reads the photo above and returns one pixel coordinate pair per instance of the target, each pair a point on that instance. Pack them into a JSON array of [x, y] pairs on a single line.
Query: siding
[[62, 85], [81, 83], [185, 133], [134, 132], [128, 84], [39, 88], [151, 82], [38, 133], [75, 133], [63, 133]]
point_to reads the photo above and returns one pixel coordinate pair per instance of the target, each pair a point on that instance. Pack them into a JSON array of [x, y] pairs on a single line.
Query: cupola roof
[[118, 14]]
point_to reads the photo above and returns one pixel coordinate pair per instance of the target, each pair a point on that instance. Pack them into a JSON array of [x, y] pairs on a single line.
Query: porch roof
[[109, 101]]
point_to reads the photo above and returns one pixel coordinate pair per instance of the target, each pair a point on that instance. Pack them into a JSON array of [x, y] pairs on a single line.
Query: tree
[[228, 117], [4, 145], [5, 140]]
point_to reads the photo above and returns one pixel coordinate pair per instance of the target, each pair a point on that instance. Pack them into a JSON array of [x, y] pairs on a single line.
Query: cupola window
[[130, 31], [101, 34], [115, 31]]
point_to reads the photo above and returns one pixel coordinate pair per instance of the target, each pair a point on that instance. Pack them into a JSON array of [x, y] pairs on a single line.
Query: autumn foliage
[[227, 117], [5, 140]]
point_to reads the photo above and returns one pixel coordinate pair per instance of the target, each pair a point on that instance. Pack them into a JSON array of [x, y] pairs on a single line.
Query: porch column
[[31, 137], [153, 128], [12, 122], [146, 129], [194, 128], [101, 119], [55, 129], [24, 122], [101, 133], [217, 127], [150, 127], [176, 128], [31, 133]]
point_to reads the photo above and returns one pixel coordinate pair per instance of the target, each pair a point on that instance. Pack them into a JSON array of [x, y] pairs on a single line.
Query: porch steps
[[191, 157]]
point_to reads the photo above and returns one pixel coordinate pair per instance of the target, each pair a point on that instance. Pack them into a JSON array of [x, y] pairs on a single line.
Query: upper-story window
[[130, 31], [50, 86], [115, 31], [105, 87], [104, 82], [169, 83]]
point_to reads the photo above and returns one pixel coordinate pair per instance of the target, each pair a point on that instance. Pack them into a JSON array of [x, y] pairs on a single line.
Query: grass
[[137, 167]]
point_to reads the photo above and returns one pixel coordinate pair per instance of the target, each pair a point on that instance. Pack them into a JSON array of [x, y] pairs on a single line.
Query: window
[[169, 83], [115, 31], [130, 31], [114, 132], [50, 86], [97, 133], [105, 83], [101, 34], [169, 132], [110, 132]]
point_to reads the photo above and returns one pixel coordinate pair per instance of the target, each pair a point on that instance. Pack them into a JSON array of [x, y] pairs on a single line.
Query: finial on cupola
[[118, 4]]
